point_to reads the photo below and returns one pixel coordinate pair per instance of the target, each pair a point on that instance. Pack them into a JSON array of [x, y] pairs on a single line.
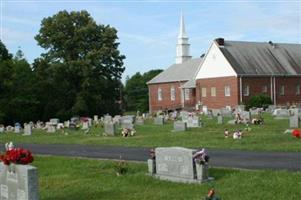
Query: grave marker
[[18, 182], [179, 126]]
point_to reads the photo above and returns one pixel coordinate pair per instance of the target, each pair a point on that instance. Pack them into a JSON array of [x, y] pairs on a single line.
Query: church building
[[174, 88], [228, 75]]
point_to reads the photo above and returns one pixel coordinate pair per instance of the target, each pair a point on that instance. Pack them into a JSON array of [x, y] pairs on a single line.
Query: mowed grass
[[86, 179], [267, 137]]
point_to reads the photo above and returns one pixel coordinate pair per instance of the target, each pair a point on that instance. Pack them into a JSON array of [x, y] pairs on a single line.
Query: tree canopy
[[136, 90], [80, 72]]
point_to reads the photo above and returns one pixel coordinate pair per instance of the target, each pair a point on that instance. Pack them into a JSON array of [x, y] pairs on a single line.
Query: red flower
[[296, 133], [17, 156]]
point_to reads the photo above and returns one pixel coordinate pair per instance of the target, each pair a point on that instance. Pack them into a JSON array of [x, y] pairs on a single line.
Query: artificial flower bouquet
[[17, 156], [128, 132]]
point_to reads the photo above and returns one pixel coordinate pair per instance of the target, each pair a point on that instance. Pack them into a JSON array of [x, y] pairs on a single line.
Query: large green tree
[[136, 90], [18, 100], [80, 72]]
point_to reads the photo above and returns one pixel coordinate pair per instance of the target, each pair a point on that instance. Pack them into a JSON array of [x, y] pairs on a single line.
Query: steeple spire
[[182, 44], [182, 33]]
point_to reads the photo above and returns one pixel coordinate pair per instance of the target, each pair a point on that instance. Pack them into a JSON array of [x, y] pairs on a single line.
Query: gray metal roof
[[189, 84], [178, 72], [259, 58]]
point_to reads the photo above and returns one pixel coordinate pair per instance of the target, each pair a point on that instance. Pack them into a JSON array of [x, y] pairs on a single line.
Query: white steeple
[[182, 45]]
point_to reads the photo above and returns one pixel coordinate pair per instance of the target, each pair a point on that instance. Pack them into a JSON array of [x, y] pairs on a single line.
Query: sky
[[148, 30]]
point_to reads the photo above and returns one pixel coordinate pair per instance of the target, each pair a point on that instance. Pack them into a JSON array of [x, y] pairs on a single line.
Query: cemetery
[[77, 122], [173, 142]]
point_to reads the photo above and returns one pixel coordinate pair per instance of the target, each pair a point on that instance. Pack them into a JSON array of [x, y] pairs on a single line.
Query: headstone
[[39, 125], [17, 128], [9, 128], [215, 112], [107, 118], [281, 114], [271, 108], [241, 108], [127, 125], [159, 120], [54, 121], [85, 125], [246, 116], [139, 121], [177, 164], [184, 114], [110, 128], [193, 122], [50, 127], [220, 119], [128, 119], [2, 128], [205, 110], [294, 120], [60, 126], [254, 111], [179, 126], [226, 112], [117, 119], [89, 122], [95, 119], [18, 182], [27, 129], [67, 124]]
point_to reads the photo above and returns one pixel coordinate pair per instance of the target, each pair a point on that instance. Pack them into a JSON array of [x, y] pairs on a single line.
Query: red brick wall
[[255, 86], [289, 90], [166, 102], [220, 100]]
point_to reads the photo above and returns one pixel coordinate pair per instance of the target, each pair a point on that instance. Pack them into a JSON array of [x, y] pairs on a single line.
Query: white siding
[[215, 64]]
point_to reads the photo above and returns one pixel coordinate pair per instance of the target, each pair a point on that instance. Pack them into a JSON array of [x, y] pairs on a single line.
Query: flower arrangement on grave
[[16, 155], [201, 157], [296, 133], [152, 154], [128, 132], [211, 195]]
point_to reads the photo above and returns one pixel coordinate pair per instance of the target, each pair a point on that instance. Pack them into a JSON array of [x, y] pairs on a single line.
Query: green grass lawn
[[267, 137], [86, 179]]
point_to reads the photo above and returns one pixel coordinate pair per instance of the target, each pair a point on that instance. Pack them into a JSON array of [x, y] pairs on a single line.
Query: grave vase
[[201, 171], [151, 166]]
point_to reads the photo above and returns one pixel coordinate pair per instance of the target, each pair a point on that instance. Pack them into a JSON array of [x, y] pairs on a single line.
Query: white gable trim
[[215, 64]]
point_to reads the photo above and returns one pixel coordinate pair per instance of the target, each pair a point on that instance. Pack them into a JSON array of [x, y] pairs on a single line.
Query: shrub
[[259, 101]]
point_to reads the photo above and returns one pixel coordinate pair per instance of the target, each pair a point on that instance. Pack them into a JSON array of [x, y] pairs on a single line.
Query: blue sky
[[148, 30]]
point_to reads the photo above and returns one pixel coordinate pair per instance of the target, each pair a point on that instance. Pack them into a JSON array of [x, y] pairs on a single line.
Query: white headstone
[[27, 129], [18, 182], [179, 126], [85, 125]]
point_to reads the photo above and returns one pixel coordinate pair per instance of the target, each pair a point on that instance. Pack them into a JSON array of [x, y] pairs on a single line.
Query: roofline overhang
[[167, 82], [269, 75]]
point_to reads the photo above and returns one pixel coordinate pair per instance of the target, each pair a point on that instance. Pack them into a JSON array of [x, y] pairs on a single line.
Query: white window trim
[[159, 94], [204, 92], [172, 93], [213, 94], [227, 92], [246, 91], [187, 93]]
